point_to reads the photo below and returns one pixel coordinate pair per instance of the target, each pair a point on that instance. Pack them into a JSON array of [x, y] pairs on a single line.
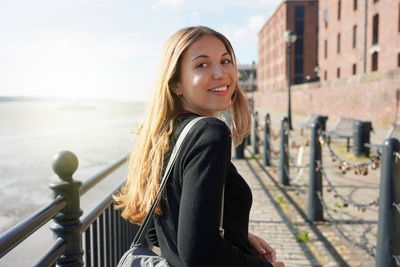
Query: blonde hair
[[146, 160]]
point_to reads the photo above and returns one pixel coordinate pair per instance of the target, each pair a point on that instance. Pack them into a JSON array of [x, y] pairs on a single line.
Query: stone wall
[[369, 97]]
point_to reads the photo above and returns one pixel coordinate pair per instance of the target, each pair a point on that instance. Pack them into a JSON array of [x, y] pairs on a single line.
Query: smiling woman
[[197, 77], [208, 77]]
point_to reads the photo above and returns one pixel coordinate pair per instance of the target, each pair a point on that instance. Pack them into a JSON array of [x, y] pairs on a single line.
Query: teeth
[[220, 89]]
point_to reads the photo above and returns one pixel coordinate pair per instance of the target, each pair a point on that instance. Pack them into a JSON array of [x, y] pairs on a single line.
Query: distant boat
[[77, 106]]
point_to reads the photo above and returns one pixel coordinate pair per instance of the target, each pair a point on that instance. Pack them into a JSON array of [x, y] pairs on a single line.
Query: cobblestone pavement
[[346, 237], [268, 221]]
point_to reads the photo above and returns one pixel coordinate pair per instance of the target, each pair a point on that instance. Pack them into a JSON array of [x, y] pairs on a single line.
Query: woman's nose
[[218, 71]]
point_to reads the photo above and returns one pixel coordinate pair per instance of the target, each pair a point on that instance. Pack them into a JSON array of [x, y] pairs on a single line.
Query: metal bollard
[[66, 223], [315, 212], [321, 120], [256, 149], [239, 150], [361, 134], [284, 154], [267, 150], [388, 240]]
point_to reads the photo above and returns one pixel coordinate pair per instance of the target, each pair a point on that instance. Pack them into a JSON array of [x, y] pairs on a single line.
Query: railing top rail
[[15, 235], [52, 254], [90, 217], [95, 179]]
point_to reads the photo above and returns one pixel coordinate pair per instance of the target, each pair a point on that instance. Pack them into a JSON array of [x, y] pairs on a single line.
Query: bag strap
[[171, 162]]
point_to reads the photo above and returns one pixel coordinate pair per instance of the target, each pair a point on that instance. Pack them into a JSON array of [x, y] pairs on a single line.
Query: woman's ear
[[178, 89]]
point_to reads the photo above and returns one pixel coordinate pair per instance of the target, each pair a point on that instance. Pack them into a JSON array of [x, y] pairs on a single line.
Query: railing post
[[315, 212], [67, 224], [267, 149], [239, 150], [284, 153], [361, 136], [388, 240], [256, 150]]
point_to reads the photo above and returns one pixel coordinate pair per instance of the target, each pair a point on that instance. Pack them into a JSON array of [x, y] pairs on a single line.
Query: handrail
[[95, 179], [15, 235], [90, 217], [68, 228], [53, 253]]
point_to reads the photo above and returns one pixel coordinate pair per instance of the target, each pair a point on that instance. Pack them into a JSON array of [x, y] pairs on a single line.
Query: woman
[[197, 77]]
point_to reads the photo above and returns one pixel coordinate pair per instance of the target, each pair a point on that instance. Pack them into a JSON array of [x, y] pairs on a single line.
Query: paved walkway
[[268, 220], [279, 213]]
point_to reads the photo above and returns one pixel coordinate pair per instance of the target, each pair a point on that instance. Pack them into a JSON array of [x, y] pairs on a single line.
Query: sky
[[109, 49]]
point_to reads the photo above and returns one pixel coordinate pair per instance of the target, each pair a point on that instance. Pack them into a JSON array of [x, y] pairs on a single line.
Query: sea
[[98, 132]]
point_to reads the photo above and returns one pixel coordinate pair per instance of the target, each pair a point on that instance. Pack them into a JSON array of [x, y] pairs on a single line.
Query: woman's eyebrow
[[205, 56], [199, 56]]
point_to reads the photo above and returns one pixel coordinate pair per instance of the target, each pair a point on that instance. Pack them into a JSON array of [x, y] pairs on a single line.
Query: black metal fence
[[98, 239], [387, 249]]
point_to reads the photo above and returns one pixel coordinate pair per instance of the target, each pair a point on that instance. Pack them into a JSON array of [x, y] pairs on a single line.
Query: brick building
[[358, 37], [301, 17]]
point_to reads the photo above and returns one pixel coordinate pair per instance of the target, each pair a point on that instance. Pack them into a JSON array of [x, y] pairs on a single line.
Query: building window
[[326, 17], [339, 9], [398, 60], [326, 48], [374, 61], [299, 47], [325, 75], [355, 5], [354, 36], [338, 73], [375, 29], [299, 12], [299, 27], [298, 79], [354, 69], [338, 43], [298, 65]]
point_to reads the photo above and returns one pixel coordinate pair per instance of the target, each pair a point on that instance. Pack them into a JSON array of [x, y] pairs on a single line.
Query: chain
[[344, 166], [293, 162], [293, 180], [295, 144], [397, 206], [397, 259], [369, 249], [397, 157], [346, 201]]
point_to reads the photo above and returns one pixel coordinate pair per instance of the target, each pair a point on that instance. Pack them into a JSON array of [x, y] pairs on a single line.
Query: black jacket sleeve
[[205, 168], [151, 234]]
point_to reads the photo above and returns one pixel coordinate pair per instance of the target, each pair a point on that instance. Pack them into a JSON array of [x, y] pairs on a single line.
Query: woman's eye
[[201, 65], [226, 61]]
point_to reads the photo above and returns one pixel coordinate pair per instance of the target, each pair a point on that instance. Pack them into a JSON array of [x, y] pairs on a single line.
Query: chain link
[[397, 206], [397, 157], [369, 249], [362, 168], [397, 259], [346, 201]]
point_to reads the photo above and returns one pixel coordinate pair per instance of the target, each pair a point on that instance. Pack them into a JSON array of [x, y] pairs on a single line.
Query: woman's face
[[208, 77]]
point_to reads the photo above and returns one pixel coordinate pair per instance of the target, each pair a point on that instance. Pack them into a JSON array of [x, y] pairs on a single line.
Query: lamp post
[[290, 37]]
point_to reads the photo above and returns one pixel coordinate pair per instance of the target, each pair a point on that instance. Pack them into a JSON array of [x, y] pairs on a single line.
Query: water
[[31, 133]]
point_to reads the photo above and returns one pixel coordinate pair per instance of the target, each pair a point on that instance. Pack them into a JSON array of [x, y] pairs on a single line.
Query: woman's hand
[[262, 249]]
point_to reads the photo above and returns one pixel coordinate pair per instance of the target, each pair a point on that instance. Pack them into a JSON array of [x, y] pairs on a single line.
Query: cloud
[[174, 4], [250, 31]]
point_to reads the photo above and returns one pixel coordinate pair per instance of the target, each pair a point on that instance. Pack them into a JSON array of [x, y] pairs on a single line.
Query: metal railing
[[387, 249], [98, 239]]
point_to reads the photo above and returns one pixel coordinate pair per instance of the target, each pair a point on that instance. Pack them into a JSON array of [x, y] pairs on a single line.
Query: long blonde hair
[[147, 157]]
